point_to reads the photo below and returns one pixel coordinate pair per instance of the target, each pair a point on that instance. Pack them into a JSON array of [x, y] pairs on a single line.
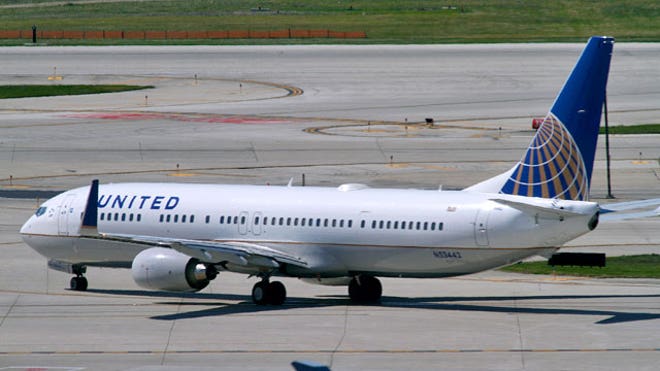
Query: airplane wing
[[236, 252], [215, 252]]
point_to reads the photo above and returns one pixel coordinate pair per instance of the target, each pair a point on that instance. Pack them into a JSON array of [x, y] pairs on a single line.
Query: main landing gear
[[79, 282], [365, 289], [265, 292], [362, 290]]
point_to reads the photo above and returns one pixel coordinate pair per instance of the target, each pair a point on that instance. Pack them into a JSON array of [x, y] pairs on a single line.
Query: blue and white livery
[[180, 236]]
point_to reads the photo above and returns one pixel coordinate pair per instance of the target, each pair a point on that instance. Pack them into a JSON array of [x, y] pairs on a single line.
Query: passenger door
[[65, 214]]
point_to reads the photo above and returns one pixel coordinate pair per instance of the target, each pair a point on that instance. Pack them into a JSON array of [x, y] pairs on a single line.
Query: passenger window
[[176, 218], [440, 226], [130, 217], [419, 225], [183, 218], [341, 223], [281, 221], [325, 222], [373, 224], [167, 218], [208, 219], [242, 220], [334, 223], [288, 221], [256, 220], [433, 226], [295, 221], [350, 224], [396, 224], [192, 218], [100, 216], [362, 223], [116, 216], [266, 221], [381, 224], [426, 225], [139, 217]]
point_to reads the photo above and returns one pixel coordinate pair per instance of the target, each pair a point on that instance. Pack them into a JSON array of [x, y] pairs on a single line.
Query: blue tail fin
[[559, 161]]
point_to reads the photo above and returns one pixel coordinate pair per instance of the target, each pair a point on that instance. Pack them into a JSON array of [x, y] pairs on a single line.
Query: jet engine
[[159, 268]]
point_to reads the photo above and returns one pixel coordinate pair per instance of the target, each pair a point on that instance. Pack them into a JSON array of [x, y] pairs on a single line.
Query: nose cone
[[27, 226], [42, 222]]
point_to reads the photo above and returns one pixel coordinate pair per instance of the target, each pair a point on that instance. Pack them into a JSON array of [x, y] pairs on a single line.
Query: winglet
[[89, 225]]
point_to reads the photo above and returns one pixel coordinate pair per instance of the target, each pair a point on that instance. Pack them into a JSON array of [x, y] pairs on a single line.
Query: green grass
[[633, 266], [385, 21], [24, 91], [633, 129]]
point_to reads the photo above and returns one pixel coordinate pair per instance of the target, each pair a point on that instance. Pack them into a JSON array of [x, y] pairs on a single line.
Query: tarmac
[[322, 115]]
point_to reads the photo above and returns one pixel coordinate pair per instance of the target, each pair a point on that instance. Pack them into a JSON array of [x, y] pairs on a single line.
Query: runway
[[337, 114]]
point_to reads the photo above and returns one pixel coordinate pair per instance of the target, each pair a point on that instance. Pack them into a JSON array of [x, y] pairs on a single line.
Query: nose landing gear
[[79, 282]]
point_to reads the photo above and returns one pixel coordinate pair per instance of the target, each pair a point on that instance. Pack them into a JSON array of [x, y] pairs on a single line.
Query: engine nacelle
[[159, 268]]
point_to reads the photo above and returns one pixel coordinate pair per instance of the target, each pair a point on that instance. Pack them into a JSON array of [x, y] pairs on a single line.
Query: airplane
[[179, 237]]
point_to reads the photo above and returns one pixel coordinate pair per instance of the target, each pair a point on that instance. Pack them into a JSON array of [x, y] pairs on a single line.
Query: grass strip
[[630, 266], [633, 129], [384, 21], [25, 91]]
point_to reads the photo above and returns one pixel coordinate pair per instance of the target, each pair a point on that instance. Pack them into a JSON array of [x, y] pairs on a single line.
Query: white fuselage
[[339, 232]]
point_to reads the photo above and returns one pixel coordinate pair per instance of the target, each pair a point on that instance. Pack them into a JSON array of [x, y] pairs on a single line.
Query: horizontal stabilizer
[[622, 210], [616, 215], [630, 205], [534, 209]]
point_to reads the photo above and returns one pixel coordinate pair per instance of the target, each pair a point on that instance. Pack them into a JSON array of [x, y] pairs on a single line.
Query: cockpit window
[[40, 211]]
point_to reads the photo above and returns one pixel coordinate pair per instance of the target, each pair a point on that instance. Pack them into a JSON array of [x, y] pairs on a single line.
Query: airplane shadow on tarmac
[[245, 304]]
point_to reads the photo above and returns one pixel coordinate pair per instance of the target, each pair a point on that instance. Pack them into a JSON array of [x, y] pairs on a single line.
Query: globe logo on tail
[[552, 167]]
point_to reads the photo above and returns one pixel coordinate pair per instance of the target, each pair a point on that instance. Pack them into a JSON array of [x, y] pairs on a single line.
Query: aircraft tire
[[276, 293], [78, 283], [260, 293], [365, 289]]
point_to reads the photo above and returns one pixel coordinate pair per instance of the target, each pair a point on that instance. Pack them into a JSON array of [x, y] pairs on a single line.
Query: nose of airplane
[[27, 226], [43, 221]]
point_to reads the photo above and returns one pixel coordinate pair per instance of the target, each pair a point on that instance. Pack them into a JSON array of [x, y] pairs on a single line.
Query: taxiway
[[337, 114]]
